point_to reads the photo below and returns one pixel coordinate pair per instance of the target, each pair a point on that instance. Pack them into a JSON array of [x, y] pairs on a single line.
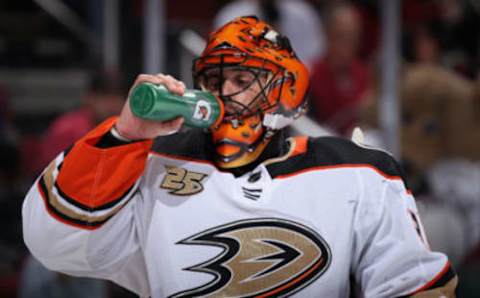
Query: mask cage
[[264, 73]]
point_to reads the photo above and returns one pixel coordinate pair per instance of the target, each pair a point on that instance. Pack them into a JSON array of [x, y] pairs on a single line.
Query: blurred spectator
[[441, 153], [443, 32], [104, 98], [12, 249], [297, 19], [461, 26], [370, 19], [38, 282], [340, 81], [440, 220], [469, 272], [437, 117], [440, 144], [454, 183], [426, 44], [415, 12], [7, 131], [11, 242]]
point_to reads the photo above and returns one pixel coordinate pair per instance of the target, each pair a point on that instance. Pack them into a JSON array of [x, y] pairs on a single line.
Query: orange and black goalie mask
[[262, 83]]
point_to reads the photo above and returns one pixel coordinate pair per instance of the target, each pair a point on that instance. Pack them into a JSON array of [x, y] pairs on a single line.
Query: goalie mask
[[262, 83]]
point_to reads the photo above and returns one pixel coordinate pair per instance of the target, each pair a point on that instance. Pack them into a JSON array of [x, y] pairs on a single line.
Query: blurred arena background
[[406, 72]]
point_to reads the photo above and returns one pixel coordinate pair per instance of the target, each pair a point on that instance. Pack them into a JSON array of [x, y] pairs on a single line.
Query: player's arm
[[391, 253], [80, 216]]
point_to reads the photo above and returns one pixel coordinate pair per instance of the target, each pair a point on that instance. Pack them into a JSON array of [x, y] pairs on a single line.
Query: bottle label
[[203, 110]]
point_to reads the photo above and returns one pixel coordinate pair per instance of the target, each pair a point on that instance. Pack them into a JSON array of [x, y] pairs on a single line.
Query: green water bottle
[[154, 102]]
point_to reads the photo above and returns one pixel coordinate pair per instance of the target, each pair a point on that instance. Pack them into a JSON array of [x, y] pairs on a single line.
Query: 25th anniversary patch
[[182, 182]]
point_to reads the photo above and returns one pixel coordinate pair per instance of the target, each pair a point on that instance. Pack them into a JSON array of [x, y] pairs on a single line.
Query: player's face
[[240, 89]]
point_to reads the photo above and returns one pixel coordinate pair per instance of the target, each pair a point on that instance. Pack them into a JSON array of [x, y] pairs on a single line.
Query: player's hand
[[133, 128]]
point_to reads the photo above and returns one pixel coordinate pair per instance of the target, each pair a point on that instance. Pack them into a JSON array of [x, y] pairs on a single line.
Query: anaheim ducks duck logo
[[265, 257]]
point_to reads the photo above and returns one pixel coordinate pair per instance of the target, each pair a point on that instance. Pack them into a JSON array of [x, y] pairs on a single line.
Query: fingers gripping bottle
[[198, 108]]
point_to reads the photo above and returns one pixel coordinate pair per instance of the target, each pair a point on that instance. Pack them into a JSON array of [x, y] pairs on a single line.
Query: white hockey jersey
[[328, 219]]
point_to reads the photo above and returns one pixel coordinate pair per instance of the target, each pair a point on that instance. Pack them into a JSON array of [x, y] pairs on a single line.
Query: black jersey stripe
[[82, 206], [445, 276], [252, 189], [252, 195], [67, 151], [327, 152], [254, 198], [63, 217], [79, 205], [193, 144]]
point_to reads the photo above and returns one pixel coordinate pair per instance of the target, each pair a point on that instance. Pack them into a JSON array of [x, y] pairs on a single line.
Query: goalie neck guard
[[255, 72]]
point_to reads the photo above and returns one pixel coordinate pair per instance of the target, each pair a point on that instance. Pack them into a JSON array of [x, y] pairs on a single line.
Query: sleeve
[[79, 216], [391, 255]]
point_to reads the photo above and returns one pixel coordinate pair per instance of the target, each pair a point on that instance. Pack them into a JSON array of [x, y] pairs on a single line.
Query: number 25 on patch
[[182, 182]]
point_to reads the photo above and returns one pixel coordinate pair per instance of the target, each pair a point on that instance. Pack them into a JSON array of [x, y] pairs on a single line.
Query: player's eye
[[243, 80], [213, 84]]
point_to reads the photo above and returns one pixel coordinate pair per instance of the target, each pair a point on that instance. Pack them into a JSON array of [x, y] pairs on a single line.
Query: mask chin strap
[[277, 121]]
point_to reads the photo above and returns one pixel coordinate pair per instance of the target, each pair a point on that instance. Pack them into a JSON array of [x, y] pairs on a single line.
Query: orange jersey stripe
[[58, 217], [320, 168], [301, 145], [93, 176], [444, 271]]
